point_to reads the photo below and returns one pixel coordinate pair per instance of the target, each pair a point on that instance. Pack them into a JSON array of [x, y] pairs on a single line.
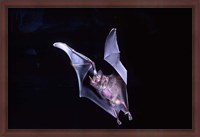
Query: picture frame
[[192, 4]]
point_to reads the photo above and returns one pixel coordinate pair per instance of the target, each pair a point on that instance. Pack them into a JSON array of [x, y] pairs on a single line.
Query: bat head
[[95, 80], [99, 81]]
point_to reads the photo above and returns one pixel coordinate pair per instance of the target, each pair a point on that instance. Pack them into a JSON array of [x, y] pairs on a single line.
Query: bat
[[107, 91]]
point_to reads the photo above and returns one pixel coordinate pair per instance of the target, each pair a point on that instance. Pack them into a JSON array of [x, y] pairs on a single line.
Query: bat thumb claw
[[90, 78]]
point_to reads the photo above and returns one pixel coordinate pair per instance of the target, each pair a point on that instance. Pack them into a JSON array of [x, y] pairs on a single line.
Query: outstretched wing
[[112, 54], [83, 65]]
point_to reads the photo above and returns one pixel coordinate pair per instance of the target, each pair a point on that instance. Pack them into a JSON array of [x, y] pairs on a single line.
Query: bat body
[[107, 91]]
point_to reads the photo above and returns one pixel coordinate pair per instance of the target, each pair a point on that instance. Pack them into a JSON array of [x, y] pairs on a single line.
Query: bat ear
[[100, 73]]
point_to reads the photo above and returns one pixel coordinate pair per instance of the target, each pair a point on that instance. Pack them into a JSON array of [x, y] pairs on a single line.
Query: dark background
[[156, 49]]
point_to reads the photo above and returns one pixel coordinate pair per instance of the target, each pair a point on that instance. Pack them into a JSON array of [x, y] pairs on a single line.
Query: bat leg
[[129, 114], [116, 115]]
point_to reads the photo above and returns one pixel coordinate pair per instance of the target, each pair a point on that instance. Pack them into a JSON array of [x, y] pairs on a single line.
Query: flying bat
[[107, 91]]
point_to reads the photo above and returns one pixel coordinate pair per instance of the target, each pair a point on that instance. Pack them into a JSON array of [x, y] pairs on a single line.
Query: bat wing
[[83, 65], [112, 54]]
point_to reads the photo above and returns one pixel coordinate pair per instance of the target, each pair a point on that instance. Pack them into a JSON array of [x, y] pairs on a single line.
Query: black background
[[156, 49]]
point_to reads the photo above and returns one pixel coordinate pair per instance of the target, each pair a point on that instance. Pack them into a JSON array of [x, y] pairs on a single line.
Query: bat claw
[[90, 78], [119, 122], [129, 116]]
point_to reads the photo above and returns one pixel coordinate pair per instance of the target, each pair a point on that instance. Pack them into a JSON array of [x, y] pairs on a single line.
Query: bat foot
[[119, 122], [129, 116]]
